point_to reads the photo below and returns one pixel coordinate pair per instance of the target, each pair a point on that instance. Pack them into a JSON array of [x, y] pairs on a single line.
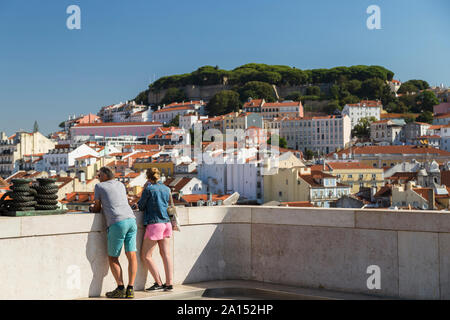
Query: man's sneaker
[[116, 294], [168, 287], [155, 287], [130, 293]]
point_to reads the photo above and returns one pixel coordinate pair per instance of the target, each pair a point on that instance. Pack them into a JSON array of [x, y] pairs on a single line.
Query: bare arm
[[97, 207]]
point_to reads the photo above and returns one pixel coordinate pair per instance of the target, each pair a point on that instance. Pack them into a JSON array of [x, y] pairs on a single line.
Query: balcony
[[302, 247]]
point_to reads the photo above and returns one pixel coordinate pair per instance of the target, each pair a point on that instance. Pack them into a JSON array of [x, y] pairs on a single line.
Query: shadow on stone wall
[[221, 253], [96, 254]]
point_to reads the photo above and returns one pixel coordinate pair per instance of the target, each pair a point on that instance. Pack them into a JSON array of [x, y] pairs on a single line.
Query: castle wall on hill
[[205, 93]]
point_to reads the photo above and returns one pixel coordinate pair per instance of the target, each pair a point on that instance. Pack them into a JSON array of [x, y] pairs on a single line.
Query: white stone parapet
[[64, 256]]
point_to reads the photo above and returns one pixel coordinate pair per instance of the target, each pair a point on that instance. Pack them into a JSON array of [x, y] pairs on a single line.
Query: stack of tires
[[46, 194], [22, 196]]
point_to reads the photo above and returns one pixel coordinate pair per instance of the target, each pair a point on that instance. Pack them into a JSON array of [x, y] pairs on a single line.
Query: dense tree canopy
[[223, 102], [413, 86], [426, 116], [425, 101], [272, 74], [362, 128], [173, 95], [255, 80], [142, 98], [257, 90], [175, 122]]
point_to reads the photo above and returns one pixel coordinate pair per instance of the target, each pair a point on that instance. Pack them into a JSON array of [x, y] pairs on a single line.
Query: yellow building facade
[[165, 167], [354, 174]]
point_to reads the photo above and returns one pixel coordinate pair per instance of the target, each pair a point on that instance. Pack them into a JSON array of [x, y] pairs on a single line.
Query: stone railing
[[64, 256]]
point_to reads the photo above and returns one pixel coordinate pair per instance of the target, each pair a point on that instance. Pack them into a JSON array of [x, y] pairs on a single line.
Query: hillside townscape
[[346, 137]]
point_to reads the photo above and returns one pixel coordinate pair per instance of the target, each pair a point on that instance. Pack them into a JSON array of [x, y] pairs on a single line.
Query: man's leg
[[116, 269], [132, 267], [130, 250], [115, 242]]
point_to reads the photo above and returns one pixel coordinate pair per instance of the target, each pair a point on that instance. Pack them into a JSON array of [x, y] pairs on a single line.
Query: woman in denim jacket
[[158, 228]]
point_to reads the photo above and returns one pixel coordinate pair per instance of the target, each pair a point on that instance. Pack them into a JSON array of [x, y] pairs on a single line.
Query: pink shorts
[[158, 231]]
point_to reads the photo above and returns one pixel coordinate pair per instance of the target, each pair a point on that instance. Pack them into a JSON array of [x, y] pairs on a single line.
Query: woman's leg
[[164, 250], [148, 246]]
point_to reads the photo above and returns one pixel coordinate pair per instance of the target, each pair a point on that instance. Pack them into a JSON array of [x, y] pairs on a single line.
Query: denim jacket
[[154, 202]]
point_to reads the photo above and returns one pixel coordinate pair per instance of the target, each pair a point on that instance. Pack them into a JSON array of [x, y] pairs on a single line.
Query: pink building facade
[[111, 129]]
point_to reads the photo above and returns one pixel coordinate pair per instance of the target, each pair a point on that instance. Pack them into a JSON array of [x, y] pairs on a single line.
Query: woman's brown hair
[[153, 174]]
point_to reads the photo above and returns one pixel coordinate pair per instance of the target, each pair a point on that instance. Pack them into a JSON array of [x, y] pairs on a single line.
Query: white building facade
[[227, 172], [320, 134], [364, 109], [386, 131], [63, 157]]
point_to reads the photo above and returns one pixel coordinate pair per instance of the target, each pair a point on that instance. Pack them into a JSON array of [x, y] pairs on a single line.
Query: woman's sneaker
[[168, 287], [155, 287]]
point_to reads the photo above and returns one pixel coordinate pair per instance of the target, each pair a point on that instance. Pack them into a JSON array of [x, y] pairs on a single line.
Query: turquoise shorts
[[119, 233]]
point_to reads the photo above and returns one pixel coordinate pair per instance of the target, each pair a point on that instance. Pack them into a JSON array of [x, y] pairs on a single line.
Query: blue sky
[[48, 72]]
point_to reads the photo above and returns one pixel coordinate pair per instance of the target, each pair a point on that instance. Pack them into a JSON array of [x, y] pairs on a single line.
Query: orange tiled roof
[[282, 104], [384, 191], [192, 198], [118, 124], [253, 103], [429, 137], [368, 103], [132, 175], [407, 149], [298, 204], [170, 109], [87, 197], [88, 157], [381, 121], [445, 178], [187, 103], [424, 192], [329, 166], [397, 115], [442, 116], [143, 155], [119, 154], [147, 147], [436, 127], [180, 185]]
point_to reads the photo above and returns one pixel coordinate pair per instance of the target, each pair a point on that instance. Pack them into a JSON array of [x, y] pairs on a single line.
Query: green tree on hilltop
[[223, 102], [426, 100], [413, 86], [372, 88], [313, 91], [142, 97], [426, 116], [174, 95], [175, 122], [257, 90]]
